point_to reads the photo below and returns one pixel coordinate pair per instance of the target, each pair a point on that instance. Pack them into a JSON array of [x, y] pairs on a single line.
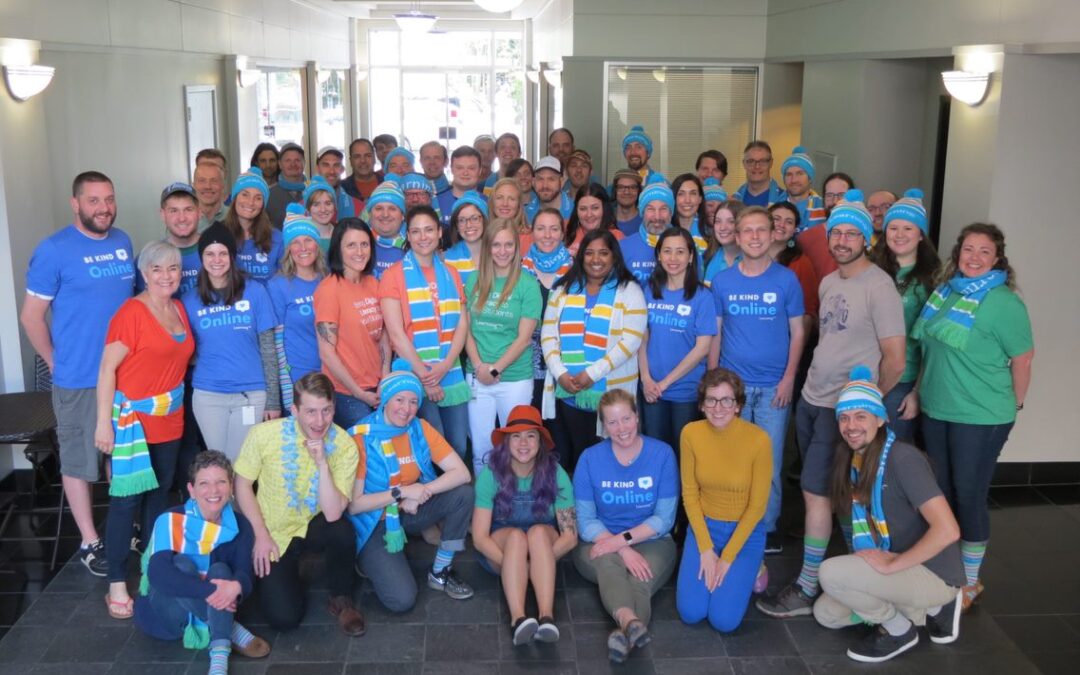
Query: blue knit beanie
[[417, 181], [851, 211], [297, 224], [316, 184], [637, 133], [398, 152], [860, 393], [252, 178], [388, 192], [713, 191], [800, 158], [909, 208], [471, 197], [654, 192]]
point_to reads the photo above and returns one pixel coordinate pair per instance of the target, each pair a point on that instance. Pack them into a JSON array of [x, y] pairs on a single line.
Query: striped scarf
[[459, 257], [433, 333], [584, 342], [384, 473], [651, 239], [699, 239], [862, 537], [955, 328], [190, 535], [392, 242], [132, 472], [558, 261], [290, 465]]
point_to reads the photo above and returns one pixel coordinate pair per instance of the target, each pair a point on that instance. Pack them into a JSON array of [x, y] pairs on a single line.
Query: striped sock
[[813, 554], [219, 657], [443, 558], [241, 637], [972, 553]]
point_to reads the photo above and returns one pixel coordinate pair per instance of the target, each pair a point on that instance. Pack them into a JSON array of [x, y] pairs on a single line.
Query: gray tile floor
[[1028, 622]]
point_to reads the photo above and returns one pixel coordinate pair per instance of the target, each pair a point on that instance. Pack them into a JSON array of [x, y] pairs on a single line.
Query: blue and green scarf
[[955, 328], [132, 472], [290, 464], [584, 342], [433, 333], [556, 262], [862, 537]]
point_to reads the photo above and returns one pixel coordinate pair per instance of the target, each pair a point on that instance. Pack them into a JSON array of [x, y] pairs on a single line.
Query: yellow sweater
[[726, 474]]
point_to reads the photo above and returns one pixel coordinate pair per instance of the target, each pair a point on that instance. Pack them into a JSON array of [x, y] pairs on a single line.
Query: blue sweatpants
[[725, 606]]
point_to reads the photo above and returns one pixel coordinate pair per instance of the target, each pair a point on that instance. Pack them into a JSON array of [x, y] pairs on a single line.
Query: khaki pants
[[618, 587], [850, 585]]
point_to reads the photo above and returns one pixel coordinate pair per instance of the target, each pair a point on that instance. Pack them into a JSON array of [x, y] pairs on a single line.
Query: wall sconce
[[247, 77], [25, 82], [660, 75], [552, 72], [533, 74], [966, 86]]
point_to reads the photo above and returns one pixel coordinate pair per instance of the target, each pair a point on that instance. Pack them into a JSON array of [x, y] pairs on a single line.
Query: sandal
[[971, 595], [637, 633], [120, 610], [618, 646]]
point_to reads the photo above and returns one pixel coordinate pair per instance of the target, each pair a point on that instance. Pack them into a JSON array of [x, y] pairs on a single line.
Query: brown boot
[[349, 618], [256, 649]]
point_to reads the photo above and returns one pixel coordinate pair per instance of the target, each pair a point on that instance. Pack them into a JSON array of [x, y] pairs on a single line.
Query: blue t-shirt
[[258, 265], [190, 264], [86, 280], [293, 300], [630, 227], [446, 202], [385, 257], [640, 258], [626, 496], [675, 324], [227, 359], [755, 311]]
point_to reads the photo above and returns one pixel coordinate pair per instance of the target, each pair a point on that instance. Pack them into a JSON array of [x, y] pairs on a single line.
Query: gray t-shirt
[[855, 313], [910, 483]]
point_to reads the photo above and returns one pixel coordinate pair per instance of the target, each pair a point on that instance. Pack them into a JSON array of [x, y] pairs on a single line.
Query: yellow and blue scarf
[[584, 342], [132, 472], [433, 334]]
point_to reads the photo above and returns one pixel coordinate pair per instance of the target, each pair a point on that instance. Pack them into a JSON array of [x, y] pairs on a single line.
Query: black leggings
[[282, 592], [574, 430]]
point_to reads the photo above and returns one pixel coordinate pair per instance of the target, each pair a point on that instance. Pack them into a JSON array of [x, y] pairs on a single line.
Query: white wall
[[553, 32]]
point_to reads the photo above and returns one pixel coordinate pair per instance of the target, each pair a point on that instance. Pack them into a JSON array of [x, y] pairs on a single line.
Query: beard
[[87, 220]]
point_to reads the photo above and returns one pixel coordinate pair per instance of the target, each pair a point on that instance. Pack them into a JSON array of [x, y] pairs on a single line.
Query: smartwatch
[[627, 536], [395, 492], [494, 372]]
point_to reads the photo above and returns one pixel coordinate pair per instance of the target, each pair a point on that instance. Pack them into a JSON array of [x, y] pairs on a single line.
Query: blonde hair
[[519, 221], [287, 267], [485, 270]]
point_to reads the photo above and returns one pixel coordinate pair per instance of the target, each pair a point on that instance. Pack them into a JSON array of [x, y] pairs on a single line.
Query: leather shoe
[[256, 649], [349, 618]]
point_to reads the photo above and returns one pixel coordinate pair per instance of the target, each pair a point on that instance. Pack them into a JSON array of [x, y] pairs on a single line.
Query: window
[[281, 107], [684, 109], [331, 108]]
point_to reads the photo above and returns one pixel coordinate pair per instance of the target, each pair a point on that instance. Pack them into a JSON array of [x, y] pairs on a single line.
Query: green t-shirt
[[495, 328], [914, 298], [974, 386], [486, 487]]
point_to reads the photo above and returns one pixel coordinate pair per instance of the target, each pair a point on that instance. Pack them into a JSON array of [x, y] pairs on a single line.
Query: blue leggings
[[174, 610], [726, 606]]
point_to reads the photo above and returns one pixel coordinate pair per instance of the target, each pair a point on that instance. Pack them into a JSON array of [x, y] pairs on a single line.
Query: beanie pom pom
[[637, 127], [914, 193], [861, 373], [393, 178], [853, 195], [711, 181], [798, 150], [400, 365], [295, 210], [656, 177]]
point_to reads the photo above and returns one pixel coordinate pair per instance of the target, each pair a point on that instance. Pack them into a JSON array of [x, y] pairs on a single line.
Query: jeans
[[725, 606], [665, 420], [390, 574], [349, 410], [221, 418], [452, 422], [487, 402], [759, 410], [122, 510], [174, 610], [904, 429], [964, 457]]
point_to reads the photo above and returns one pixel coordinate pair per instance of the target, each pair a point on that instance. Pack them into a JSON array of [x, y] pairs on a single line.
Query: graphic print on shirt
[[834, 314], [104, 265], [634, 492], [222, 316], [762, 305]]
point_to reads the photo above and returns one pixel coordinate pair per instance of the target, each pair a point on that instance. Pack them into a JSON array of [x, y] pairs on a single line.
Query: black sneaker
[[93, 558], [945, 626], [449, 582], [774, 543], [523, 630], [791, 601], [548, 631], [879, 646]]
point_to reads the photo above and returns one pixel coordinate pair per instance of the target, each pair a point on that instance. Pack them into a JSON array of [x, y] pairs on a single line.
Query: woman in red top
[[140, 396]]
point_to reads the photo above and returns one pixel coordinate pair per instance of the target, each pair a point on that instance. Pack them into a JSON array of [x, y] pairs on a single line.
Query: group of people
[[544, 363]]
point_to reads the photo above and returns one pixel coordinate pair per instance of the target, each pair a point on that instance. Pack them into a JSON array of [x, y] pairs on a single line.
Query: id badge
[[247, 415]]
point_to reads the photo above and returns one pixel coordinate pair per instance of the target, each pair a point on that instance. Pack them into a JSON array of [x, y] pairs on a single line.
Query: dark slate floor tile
[[24, 645], [1056, 663], [1008, 497], [461, 642], [663, 605], [1073, 511], [812, 640], [767, 637], [305, 669], [376, 613], [712, 666], [87, 644], [236, 666], [387, 643], [142, 668], [590, 640], [142, 648], [74, 578], [51, 609], [545, 667], [979, 634], [673, 639], [769, 665], [14, 605], [90, 611], [461, 668], [1073, 620], [66, 669], [309, 644], [1039, 633], [563, 650], [483, 607], [415, 668], [585, 605], [570, 578], [631, 667]]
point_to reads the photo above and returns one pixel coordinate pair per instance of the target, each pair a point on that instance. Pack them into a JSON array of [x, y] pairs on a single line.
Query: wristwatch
[[494, 372], [627, 536], [395, 492]]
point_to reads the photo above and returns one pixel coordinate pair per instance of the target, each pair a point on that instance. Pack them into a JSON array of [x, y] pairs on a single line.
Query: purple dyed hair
[[543, 483]]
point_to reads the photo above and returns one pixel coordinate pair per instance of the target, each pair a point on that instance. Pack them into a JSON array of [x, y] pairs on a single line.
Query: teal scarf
[[955, 328], [861, 535]]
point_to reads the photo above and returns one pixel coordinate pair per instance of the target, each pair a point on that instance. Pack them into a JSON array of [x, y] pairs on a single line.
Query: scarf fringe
[[133, 484], [456, 394]]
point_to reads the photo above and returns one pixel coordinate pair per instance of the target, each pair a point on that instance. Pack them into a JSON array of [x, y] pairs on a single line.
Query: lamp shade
[[415, 21], [966, 86]]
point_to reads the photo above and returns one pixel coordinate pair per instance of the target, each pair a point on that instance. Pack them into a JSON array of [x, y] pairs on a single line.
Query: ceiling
[[445, 9]]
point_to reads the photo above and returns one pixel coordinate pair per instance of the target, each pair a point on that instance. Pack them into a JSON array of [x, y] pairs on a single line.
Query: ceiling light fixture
[[25, 82], [415, 21], [498, 6]]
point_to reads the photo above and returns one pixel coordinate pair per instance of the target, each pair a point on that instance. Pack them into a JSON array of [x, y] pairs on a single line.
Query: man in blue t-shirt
[[465, 170], [759, 189], [656, 205], [83, 273], [759, 307]]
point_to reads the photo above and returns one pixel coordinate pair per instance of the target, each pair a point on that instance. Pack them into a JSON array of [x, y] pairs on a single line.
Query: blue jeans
[[726, 606], [759, 410], [452, 422], [349, 410], [665, 420], [174, 610], [963, 457], [904, 429]]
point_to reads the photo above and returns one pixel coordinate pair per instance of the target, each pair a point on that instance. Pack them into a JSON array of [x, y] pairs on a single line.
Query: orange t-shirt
[[366, 187], [392, 285], [573, 248], [410, 473], [356, 311], [808, 279], [155, 363]]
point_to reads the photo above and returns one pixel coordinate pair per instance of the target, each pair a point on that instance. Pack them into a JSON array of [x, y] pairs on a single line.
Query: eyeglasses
[[757, 162], [879, 209], [711, 402], [626, 188], [835, 196], [470, 220], [850, 235]]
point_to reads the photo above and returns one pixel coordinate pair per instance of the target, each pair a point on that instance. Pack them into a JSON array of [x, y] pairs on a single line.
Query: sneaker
[[523, 630], [762, 580], [93, 558], [792, 601], [944, 627], [449, 582], [618, 646], [879, 646], [637, 633], [548, 631], [774, 543]]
